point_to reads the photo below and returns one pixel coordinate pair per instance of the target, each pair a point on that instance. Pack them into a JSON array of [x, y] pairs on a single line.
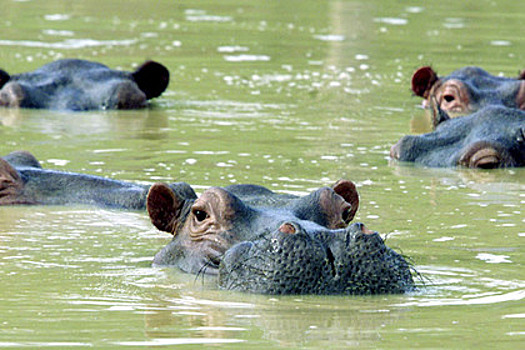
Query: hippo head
[[72, 84], [212, 233], [493, 137], [467, 90]]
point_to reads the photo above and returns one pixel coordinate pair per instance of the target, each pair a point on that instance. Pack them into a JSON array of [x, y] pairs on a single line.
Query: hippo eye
[[449, 98], [200, 214]]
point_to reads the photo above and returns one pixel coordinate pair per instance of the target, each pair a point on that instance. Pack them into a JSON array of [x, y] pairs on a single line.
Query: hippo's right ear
[[164, 207], [152, 78], [4, 77], [423, 80], [348, 191]]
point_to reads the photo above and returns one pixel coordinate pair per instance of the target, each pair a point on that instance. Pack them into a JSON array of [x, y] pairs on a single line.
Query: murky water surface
[[292, 95]]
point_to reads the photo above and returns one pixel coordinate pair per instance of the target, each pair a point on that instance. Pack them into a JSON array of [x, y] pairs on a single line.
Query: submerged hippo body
[[258, 241], [467, 90], [24, 181], [79, 85], [492, 137]]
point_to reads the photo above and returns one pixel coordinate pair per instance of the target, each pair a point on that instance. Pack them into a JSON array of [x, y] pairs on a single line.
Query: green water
[[292, 95]]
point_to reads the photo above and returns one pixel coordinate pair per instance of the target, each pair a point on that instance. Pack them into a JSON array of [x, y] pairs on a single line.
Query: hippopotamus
[[259, 241], [23, 181], [467, 90], [492, 137], [79, 85], [247, 236]]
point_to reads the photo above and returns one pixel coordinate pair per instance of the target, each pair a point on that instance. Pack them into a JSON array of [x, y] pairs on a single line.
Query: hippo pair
[[490, 132], [491, 137], [251, 238]]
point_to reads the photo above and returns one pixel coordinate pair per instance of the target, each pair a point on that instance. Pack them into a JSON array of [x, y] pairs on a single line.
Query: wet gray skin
[[24, 181], [467, 90], [492, 137], [79, 85], [263, 242], [309, 259]]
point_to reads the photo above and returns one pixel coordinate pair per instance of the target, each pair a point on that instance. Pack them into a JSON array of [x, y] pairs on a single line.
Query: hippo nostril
[[331, 261], [288, 228]]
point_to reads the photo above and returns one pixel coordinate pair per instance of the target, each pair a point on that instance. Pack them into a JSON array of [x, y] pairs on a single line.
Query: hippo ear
[[11, 186], [522, 75], [152, 78], [164, 207], [348, 191], [423, 80], [4, 77]]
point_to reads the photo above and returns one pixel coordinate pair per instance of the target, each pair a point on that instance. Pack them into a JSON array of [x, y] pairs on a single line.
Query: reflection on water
[[291, 95], [67, 44]]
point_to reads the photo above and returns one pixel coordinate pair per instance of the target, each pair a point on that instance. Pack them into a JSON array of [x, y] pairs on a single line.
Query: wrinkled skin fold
[[79, 85], [492, 137]]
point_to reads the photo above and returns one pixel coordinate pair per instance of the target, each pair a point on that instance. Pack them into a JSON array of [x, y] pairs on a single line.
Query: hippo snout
[[303, 260]]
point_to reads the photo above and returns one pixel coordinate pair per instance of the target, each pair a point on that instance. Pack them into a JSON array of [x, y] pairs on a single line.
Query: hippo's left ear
[[423, 80], [348, 191], [152, 78], [164, 207], [4, 77]]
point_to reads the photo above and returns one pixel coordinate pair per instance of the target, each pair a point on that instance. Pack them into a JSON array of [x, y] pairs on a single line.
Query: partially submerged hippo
[[467, 90], [493, 137], [78, 85], [258, 241], [254, 239], [24, 181]]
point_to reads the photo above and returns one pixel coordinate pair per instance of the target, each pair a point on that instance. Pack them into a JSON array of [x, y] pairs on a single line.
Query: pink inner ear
[[423, 80], [348, 191]]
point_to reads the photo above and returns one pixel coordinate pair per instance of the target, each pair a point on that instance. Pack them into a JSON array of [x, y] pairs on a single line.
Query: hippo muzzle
[[293, 260]]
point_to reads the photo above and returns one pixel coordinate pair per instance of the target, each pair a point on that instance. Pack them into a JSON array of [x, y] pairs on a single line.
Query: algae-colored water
[[292, 95]]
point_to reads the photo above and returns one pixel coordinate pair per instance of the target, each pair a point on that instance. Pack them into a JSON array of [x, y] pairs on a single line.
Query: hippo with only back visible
[[253, 239], [79, 85], [467, 90]]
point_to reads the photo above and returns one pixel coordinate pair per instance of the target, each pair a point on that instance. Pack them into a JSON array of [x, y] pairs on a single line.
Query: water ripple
[[68, 43]]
